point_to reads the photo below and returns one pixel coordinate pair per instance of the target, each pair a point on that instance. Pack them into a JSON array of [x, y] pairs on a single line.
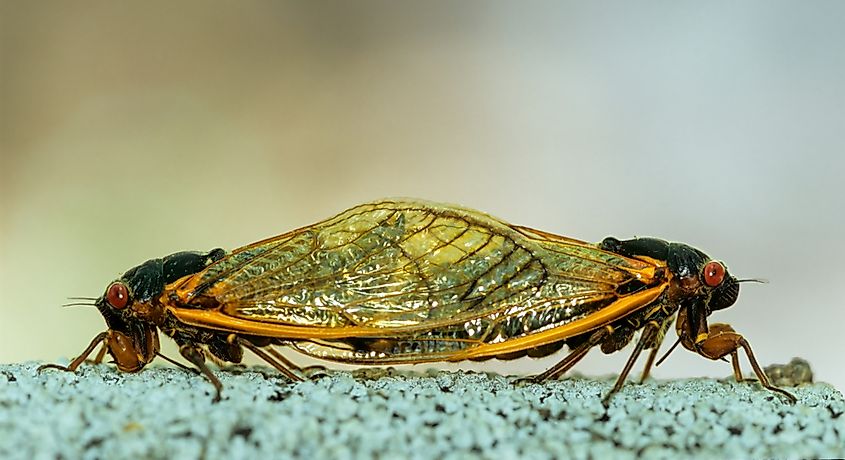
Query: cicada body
[[408, 281]]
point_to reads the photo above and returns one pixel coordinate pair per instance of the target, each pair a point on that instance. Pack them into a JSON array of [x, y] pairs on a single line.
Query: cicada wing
[[382, 351], [409, 266]]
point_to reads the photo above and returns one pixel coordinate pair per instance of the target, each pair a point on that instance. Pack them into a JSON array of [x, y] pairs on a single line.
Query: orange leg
[[101, 354], [99, 338], [721, 341]]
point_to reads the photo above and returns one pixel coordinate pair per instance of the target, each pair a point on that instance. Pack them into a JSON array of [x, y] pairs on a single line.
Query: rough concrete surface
[[168, 413]]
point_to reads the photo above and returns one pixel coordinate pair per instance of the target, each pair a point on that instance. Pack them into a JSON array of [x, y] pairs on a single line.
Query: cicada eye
[[117, 295], [714, 273]]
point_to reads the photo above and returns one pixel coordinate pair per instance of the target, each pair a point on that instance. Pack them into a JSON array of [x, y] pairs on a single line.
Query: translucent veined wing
[[405, 267]]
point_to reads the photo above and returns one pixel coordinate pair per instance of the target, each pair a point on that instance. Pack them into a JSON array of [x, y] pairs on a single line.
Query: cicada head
[[131, 341], [697, 276], [132, 310], [701, 285]]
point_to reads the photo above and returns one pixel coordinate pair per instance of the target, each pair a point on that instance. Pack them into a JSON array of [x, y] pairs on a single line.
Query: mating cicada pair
[[407, 281]]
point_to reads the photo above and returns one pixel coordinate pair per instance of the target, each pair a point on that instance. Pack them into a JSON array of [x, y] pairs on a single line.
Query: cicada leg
[[282, 359], [195, 356], [721, 341], [101, 354], [272, 360], [176, 363], [312, 372], [572, 358], [98, 339], [735, 366], [647, 340], [656, 341], [649, 363]]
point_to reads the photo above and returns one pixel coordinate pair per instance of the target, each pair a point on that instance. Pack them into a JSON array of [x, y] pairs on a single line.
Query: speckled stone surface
[[168, 413]]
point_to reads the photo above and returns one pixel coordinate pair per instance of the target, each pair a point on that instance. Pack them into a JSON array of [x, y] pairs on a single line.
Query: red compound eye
[[117, 295], [714, 273]]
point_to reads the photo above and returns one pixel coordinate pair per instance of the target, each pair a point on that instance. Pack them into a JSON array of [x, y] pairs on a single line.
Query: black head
[[702, 276], [701, 285], [131, 309], [132, 340]]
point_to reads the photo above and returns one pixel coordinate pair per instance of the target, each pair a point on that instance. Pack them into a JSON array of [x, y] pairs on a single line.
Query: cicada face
[[132, 311], [130, 341], [701, 286]]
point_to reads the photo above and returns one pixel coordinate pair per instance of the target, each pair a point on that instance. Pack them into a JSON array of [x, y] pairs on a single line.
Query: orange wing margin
[[216, 320]]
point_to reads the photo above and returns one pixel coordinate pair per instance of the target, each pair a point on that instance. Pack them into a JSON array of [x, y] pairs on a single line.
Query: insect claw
[[314, 372], [606, 400], [317, 375], [314, 368], [789, 396], [523, 382], [43, 367]]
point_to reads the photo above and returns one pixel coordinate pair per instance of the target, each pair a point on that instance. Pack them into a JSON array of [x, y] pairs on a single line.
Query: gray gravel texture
[[168, 413]]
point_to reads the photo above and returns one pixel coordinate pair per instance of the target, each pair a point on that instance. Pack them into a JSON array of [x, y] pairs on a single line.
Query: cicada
[[409, 281]]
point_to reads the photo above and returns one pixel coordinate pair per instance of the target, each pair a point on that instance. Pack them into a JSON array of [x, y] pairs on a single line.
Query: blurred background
[[131, 130]]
